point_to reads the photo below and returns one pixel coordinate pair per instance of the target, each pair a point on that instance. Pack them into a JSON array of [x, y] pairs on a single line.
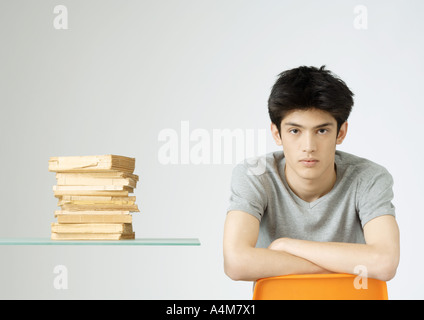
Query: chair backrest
[[337, 286]]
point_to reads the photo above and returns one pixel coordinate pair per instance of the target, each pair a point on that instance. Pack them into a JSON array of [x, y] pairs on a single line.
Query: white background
[[125, 70]]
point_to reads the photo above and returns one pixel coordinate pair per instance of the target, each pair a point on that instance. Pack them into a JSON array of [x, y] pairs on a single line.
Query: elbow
[[386, 275], [386, 267], [235, 268], [388, 272], [233, 273]]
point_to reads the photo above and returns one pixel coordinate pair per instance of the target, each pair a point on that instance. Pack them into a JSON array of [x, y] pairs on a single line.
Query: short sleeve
[[376, 195], [247, 192]]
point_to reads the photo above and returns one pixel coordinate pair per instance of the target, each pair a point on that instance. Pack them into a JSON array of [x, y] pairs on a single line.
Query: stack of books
[[93, 193]]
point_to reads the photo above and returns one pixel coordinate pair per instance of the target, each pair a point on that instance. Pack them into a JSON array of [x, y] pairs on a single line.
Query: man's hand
[[277, 244]]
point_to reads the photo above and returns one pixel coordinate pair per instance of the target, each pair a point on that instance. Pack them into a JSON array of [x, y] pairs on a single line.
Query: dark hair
[[309, 87]]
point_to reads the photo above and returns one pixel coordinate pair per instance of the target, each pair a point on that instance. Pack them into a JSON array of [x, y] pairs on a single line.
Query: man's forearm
[[336, 256], [255, 263]]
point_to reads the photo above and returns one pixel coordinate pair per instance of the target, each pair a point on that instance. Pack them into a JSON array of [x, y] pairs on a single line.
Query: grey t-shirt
[[363, 191]]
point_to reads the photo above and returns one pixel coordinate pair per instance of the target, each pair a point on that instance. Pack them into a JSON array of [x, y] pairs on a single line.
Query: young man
[[311, 209]]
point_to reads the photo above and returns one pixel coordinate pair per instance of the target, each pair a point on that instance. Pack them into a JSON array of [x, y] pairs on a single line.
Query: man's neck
[[310, 190]]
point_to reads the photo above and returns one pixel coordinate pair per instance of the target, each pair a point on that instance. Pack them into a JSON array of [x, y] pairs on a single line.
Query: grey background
[[125, 70]]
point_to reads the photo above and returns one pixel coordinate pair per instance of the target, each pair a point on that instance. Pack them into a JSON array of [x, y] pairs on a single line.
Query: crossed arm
[[243, 261]]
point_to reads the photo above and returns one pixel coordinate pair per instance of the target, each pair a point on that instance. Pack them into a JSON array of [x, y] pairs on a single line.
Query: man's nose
[[309, 143]]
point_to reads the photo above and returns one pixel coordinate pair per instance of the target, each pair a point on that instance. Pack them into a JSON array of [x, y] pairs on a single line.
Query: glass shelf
[[133, 242]]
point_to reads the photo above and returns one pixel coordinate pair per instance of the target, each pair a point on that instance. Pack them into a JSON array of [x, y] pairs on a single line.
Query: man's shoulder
[[359, 167], [263, 165]]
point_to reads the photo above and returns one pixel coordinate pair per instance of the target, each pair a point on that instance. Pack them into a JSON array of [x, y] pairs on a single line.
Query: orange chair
[[335, 286]]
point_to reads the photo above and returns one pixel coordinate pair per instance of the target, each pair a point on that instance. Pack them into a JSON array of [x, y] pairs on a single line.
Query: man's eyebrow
[[292, 124]]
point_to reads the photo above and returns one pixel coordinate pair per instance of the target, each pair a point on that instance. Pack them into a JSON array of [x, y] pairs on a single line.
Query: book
[[91, 188], [112, 193], [97, 175], [94, 218], [105, 207], [92, 236], [100, 163], [124, 228], [119, 203], [92, 200], [66, 212], [75, 180], [98, 199]]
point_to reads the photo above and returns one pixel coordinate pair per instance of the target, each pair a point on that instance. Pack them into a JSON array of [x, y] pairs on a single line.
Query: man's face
[[309, 139]]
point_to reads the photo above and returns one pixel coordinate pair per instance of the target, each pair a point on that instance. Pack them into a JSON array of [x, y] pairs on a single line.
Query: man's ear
[[342, 133], [276, 134]]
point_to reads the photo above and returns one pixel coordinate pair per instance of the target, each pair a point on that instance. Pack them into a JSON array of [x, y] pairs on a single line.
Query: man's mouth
[[309, 162]]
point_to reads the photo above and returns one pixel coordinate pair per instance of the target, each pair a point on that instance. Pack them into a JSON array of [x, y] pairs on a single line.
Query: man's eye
[[294, 131], [322, 131]]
